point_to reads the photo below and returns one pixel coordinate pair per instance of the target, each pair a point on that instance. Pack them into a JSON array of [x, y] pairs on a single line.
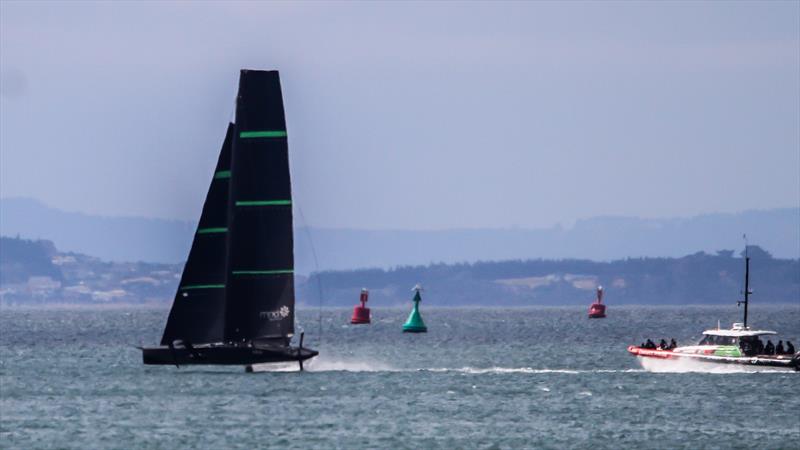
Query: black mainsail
[[260, 252], [235, 301]]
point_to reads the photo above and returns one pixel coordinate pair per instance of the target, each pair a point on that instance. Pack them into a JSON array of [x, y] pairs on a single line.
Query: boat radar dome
[[414, 324], [361, 313]]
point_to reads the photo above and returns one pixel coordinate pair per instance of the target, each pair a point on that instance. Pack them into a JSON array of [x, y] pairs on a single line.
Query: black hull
[[224, 355]]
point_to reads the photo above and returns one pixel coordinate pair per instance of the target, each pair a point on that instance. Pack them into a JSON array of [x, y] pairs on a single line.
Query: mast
[[747, 291], [746, 284]]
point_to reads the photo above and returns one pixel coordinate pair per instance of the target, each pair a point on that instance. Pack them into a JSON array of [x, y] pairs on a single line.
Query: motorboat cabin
[[746, 340]]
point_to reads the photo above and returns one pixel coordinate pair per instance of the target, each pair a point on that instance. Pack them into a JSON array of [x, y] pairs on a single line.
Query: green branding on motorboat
[[728, 350]]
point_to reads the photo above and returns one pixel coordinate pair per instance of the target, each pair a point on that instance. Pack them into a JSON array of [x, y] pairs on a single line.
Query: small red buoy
[[597, 310], [361, 313]]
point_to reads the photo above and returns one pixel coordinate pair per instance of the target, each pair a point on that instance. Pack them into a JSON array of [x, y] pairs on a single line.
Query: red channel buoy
[[597, 310], [361, 313]]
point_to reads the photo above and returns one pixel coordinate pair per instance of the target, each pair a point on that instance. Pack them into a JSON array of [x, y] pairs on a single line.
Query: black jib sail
[[198, 310]]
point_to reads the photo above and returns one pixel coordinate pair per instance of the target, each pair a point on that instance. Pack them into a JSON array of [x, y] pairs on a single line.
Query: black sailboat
[[235, 302]]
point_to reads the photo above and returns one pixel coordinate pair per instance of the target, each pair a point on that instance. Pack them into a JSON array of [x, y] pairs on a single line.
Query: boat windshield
[[710, 339]]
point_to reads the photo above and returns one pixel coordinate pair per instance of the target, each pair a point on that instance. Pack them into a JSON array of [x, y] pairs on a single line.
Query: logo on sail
[[280, 314]]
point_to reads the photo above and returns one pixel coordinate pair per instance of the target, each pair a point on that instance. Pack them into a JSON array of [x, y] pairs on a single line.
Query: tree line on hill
[[700, 278], [20, 259], [35, 271]]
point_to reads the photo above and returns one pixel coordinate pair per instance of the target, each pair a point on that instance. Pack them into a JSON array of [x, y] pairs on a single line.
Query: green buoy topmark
[[414, 324]]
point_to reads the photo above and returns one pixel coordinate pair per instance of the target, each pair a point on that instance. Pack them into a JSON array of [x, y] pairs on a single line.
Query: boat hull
[[224, 355], [667, 360]]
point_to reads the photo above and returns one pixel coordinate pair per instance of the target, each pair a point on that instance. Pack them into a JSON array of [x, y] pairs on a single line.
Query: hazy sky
[[411, 115]]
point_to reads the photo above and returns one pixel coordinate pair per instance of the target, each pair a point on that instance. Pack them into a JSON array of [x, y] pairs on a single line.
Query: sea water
[[480, 378]]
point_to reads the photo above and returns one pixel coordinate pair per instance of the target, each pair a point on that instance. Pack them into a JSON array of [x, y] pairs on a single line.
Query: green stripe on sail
[[222, 174], [211, 230], [203, 286], [262, 134], [263, 202], [263, 272]]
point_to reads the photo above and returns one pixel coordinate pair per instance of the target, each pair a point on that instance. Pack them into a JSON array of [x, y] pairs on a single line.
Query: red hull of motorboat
[[759, 361]]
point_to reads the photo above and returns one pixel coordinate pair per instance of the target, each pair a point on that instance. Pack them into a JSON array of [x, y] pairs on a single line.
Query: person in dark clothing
[[747, 346], [779, 348], [662, 345], [769, 349], [672, 344], [759, 346], [789, 348], [650, 344]]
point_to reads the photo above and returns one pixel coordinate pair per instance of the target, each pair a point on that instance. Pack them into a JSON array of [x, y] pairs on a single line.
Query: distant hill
[[21, 259], [36, 272], [600, 239], [109, 238], [699, 278]]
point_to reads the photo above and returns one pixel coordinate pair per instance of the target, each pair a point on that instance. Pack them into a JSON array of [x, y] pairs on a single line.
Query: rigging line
[[316, 267]]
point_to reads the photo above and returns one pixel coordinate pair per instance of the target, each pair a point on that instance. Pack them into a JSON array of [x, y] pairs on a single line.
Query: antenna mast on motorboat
[[747, 291]]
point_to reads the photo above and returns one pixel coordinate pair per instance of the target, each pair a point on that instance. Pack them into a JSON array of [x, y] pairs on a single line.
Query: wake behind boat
[[235, 302], [740, 346]]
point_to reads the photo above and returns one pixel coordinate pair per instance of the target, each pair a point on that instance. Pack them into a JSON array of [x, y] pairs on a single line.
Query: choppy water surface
[[525, 378]]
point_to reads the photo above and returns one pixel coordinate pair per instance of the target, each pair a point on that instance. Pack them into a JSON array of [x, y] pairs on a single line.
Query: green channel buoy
[[414, 324]]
